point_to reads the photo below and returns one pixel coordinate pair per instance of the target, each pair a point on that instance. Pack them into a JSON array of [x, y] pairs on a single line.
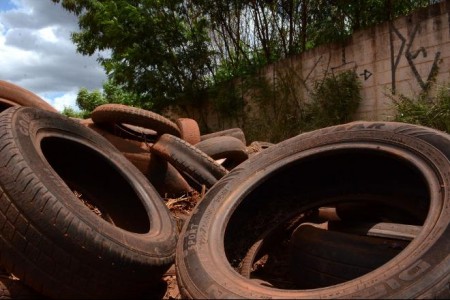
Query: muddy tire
[[14, 95], [119, 113], [189, 160], [189, 130], [86, 224], [289, 178], [228, 147]]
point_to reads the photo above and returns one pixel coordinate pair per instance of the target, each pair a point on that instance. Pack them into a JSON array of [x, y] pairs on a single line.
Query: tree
[[87, 101], [173, 51], [159, 49]]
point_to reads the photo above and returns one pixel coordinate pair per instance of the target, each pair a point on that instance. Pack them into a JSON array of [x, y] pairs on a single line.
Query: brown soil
[[180, 208]]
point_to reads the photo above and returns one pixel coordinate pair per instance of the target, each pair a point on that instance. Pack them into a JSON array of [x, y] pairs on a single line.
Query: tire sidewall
[[28, 124], [422, 270]]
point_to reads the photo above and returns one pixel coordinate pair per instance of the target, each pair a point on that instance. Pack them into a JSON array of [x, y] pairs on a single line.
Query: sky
[[36, 52]]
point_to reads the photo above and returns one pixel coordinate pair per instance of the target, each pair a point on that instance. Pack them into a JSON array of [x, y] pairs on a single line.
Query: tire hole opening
[[97, 183], [316, 222]]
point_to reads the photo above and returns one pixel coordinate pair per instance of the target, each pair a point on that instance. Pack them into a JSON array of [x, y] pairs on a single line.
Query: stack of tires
[[81, 209], [359, 210], [174, 156]]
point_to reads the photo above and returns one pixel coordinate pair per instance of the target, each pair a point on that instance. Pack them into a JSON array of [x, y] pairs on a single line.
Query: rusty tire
[[189, 130], [379, 158], [189, 160], [227, 147], [124, 114], [86, 224], [14, 95], [234, 132]]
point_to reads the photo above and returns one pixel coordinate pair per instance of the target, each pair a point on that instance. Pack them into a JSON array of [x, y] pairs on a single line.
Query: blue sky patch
[[6, 5]]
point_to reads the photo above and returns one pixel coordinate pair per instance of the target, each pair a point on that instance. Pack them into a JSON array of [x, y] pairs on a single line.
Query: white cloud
[[60, 102], [48, 34], [36, 52]]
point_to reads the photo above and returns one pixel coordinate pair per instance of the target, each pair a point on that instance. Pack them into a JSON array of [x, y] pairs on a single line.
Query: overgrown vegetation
[[282, 113], [176, 50], [430, 108], [335, 99]]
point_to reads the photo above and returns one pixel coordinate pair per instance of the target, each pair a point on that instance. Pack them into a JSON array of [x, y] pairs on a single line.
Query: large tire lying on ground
[[77, 219], [286, 180], [13, 95]]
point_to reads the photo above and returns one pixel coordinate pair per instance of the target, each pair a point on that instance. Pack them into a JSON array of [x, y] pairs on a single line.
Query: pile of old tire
[[81, 208], [359, 210], [174, 156], [78, 220]]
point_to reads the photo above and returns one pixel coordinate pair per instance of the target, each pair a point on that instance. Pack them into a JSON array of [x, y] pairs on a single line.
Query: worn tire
[[234, 132], [382, 158], [189, 160], [189, 130], [85, 224], [228, 147], [119, 113], [12, 95]]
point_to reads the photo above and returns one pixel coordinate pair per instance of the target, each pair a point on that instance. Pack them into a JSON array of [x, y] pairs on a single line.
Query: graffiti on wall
[[343, 66], [410, 55], [402, 46]]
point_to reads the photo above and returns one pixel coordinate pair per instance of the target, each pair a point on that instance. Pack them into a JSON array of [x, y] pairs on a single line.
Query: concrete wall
[[396, 56], [393, 57]]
